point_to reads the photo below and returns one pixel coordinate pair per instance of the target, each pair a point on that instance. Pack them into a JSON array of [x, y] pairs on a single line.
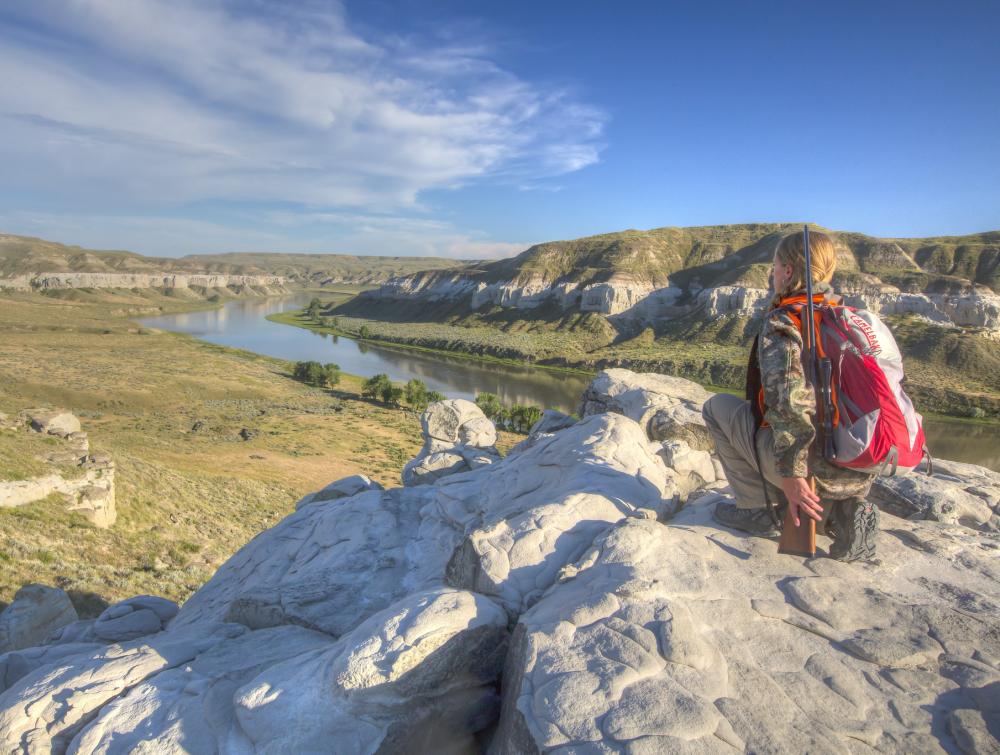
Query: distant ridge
[[24, 255]]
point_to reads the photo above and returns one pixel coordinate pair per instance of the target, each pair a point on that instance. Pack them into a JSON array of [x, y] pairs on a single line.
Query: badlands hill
[[687, 301], [635, 264], [573, 597], [22, 255]]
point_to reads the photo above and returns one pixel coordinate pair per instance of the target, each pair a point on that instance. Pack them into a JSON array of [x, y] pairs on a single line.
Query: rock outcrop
[[457, 437], [34, 614], [86, 481], [556, 600], [641, 302], [43, 281]]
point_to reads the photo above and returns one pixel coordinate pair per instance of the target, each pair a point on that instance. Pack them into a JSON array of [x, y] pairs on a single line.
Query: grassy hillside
[[954, 371], [22, 254], [170, 409], [739, 254]]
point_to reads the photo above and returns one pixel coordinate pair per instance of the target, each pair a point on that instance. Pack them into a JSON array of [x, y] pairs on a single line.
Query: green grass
[[186, 499]]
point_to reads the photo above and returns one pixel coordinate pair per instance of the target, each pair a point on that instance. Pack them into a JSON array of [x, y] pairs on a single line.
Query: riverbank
[[716, 366], [212, 444], [300, 319]]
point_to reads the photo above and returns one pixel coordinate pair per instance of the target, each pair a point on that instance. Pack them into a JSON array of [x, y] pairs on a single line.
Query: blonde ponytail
[[822, 253]]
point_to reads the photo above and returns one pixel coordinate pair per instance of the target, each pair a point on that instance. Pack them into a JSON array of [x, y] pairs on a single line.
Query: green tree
[[523, 417], [391, 394], [490, 405], [373, 387], [364, 332], [314, 373], [416, 394], [314, 307], [331, 373], [434, 396]]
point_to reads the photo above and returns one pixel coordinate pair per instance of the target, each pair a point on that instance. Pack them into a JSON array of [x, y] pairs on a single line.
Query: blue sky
[[473, 129]]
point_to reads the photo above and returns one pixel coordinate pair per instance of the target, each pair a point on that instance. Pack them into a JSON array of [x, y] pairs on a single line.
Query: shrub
[[364, 332], [375, 385], [314, 307], [490, 405], [416, 394], [314, 373], [391, 394], [523, 417]]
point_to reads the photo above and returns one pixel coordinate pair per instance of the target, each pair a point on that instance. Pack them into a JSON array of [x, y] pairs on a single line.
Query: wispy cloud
[[147, 102], [337, 232]]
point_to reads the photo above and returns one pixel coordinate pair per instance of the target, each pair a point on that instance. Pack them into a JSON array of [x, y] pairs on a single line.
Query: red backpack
[[875, 424]]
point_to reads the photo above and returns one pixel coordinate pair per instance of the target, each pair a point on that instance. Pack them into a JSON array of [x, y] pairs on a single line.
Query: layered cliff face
[[43, 281], [668, 273], [575, 596]]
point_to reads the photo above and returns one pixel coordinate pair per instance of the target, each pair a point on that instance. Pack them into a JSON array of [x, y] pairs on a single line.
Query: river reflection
[[241, 324]]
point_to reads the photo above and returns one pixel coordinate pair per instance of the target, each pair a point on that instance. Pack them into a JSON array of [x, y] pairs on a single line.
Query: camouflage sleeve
[[790, 402]]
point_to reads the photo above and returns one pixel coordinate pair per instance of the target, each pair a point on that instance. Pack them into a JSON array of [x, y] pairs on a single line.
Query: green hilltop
[[739, 254]]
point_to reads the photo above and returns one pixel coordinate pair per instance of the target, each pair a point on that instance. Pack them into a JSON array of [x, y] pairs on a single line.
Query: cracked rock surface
[[559, 600]]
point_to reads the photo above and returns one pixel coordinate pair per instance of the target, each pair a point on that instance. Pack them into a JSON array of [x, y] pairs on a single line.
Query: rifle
[[801, 540]]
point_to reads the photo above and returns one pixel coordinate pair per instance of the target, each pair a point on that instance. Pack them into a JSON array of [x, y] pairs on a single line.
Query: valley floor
[[170, 409]]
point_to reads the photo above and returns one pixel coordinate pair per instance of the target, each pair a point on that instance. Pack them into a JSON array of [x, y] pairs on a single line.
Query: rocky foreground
[[575, 596]]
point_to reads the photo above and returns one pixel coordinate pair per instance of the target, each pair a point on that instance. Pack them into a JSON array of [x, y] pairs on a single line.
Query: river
[[242, 324]]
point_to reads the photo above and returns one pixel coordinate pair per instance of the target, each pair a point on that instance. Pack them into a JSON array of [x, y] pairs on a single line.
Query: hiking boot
[[754, 521], [853, 525]]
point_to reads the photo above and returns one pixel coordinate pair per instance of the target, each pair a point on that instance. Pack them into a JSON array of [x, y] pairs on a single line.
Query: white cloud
[[149, 102], [334, 232]]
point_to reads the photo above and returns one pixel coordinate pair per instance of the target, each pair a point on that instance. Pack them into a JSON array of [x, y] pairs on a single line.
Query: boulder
[[444, 420], [343, 488], [667, 407], [43, 710], [691, 468], [693, 638], [917, 496], [81, 631], [35, 612], [54, 422], [97, 503], [536, 511], [458, 437], [550, 422], [19, 663], [188, 707], [134, 617], [416, 677]]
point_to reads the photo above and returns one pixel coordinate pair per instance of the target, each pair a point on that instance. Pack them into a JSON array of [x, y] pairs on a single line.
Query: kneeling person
[[765, 443]]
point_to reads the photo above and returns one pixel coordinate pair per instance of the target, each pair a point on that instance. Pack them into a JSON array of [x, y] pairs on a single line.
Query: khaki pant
[[731, 423]]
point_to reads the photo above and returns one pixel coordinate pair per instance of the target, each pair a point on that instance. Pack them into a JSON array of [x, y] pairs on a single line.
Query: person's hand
[[801, 498]]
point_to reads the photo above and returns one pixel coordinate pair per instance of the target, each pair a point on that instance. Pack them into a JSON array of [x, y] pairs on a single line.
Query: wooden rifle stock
[[801, 540]]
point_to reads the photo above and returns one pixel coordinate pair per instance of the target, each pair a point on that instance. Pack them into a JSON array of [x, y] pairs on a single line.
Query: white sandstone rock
[[691, 468], [667, 407], [343, 488], [330, 567], [19, 663], [917, 496], [422, 668], [189, 707], [538, 510], [54, 422], [134, 617], [458, 437], [43, 710], [35, 612], [690, 638]]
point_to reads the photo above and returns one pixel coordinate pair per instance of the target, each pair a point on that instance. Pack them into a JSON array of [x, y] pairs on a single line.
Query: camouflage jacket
[[790, 408]]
